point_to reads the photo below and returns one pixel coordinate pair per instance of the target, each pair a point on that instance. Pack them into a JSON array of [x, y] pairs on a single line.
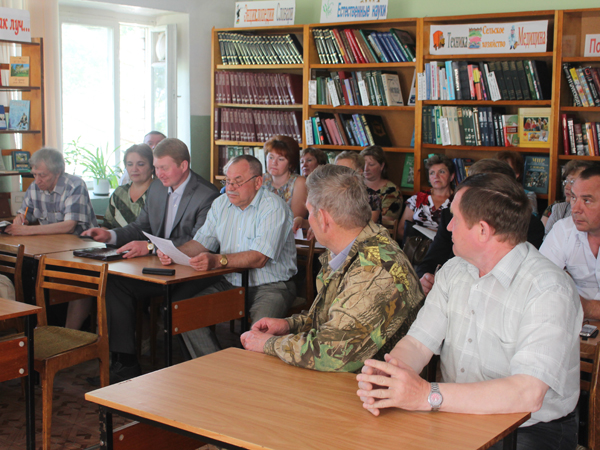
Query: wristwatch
[[224, 261], [435, 398], [150, 247]]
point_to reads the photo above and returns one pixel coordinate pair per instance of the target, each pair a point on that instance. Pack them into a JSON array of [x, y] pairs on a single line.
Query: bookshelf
[[566, 39], [391, 116], [218, 65], [573, 26], [505, 106]]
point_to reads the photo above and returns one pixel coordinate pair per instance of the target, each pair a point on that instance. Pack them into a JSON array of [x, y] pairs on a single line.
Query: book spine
[[587, 72], [590, 139], [597, 135], [571, 83], [341, 47], [529, 75], [572, 142], [523, 80], [512, 65], [565, 132], [584, 85], [368, 134], [510, 87], [578, 86], [399, 47]]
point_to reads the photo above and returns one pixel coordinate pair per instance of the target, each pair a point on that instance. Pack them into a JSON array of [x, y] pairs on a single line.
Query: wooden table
[[35, 246], [132, 268], [11, 357], [242, 399]]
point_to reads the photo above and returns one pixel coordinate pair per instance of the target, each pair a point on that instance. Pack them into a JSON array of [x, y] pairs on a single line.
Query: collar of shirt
[[60, 185], [179, 191], [254, 203], [506, 269], [338, 260]]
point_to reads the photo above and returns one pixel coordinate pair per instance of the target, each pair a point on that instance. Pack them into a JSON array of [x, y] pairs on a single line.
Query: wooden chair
[[306, 250], [57, 348], [590, 372], [392, 227], [11, 264]]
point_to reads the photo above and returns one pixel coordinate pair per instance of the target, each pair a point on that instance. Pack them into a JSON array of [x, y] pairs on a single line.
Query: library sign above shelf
[[264, 14], [15, 25], [353, 10], [465, 39], [592, 45]]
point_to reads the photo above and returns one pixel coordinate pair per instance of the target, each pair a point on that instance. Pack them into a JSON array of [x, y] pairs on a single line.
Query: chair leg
[[104, 370], [47, 391], [139, 327], [154, 313]]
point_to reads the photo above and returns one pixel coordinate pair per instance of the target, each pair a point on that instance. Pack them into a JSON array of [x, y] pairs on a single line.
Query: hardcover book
[[408, 172], [19, 115], [534, 128], [2, 118], [536, 174], [19, 71], [20, 160]]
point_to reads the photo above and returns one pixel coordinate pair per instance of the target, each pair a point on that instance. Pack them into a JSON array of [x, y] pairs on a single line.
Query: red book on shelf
[[565, 131], [594, 128], [340, 127], [471, 82], [338, 38], [354, 45], [347, 47]]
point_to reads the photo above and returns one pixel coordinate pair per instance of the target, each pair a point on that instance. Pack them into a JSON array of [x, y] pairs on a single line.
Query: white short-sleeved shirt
[[523, 317], [569, 248]]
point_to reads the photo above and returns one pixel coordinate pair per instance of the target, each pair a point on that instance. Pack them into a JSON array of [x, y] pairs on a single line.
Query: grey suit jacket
[[191, 213]]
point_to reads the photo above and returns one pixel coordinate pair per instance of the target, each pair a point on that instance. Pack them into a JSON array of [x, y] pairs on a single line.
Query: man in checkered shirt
[[56, 203]]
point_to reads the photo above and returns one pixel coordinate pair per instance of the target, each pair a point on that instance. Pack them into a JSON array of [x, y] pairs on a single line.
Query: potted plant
[[95, 163]]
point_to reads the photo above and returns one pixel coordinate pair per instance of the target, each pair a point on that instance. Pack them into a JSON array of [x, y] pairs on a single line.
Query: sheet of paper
[[167, 247], [299, 234], [426, 231]]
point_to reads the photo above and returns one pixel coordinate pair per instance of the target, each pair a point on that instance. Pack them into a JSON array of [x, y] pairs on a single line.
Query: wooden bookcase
[[573, 25], [34, 138], [399, 121], [564, 27], [217, 65]]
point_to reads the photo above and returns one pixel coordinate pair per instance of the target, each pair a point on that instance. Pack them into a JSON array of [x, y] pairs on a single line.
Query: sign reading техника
[[353, 10], [465, 39], [15, 25], [261, 14]]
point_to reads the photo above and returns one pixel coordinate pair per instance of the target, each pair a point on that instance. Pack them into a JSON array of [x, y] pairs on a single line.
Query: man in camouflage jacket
[[368, 293]]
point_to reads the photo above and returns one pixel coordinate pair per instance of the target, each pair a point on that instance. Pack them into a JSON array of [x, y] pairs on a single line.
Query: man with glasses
[[56, 203], [573, 242], [176, 207], [250, 228]]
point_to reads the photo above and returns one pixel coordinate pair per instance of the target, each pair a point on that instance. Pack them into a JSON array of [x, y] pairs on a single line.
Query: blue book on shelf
[[18, 118], [2, 118]]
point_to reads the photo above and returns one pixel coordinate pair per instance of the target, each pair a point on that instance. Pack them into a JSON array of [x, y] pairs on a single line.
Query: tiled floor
[[75, 423]]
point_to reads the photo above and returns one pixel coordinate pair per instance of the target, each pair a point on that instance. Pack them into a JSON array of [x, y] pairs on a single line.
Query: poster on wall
[[15, 25], [353, 10], [466, 39], [264, 14]]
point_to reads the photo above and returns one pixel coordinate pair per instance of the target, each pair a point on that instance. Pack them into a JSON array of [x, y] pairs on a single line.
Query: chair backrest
[[87, 280], [11, 263], [392, 227], [590, 372], [306, 249]]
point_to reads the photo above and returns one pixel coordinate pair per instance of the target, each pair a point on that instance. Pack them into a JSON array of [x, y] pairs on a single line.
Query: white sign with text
[[592, 45], [353, 10], [262, 14], [15, 25]]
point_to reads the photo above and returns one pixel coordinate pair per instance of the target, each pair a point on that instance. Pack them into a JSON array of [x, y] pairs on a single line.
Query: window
[[114, 84]]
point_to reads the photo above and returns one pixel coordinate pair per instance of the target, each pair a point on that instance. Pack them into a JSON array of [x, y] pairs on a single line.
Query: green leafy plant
[[94, 162]]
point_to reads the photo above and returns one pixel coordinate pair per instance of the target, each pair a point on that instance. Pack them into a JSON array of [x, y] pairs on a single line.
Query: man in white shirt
[[504, 320], [573, 242]]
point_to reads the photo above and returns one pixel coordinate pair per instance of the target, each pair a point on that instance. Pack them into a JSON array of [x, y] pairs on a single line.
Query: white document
[[167, 247], [426, 231], [299, 234]]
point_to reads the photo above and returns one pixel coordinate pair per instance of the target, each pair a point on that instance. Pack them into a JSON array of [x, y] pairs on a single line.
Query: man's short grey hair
[[341, 192], [255, 165], [52, 158]]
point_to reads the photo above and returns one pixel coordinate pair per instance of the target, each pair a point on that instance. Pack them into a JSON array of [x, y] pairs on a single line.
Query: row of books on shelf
[[346, 129], [17, 118], [484, 126], [248, 48], [580, 138], [258, 88], [356, 46], [360, 88], [584, 83], [255, 125], [493, 80]]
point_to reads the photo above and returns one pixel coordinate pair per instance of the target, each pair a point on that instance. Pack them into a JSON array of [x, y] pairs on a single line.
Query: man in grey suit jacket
[[176, 207]]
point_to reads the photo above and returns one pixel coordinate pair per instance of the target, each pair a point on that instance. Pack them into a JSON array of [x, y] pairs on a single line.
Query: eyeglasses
[[236, 184], [571, 181]]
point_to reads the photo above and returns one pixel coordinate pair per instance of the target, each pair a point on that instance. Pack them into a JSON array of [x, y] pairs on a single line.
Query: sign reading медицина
[[353, 10], [474, 38], [261, 14], [592, 45], [15, 25]]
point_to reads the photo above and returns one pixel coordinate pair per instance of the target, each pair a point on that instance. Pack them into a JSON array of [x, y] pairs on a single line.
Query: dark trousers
[[560, 434], [122, 297]]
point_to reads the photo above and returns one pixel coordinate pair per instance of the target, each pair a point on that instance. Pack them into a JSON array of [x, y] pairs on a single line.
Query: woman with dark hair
[[425, 208], [282, 157], [310, 159], [127, 201], [377, 183]]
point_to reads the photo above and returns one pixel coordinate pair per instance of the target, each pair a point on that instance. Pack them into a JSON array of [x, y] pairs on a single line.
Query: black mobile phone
[[589, 331], [157, 271]]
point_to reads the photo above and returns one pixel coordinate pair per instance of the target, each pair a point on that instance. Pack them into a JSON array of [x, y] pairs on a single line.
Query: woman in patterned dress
[[377, 183]]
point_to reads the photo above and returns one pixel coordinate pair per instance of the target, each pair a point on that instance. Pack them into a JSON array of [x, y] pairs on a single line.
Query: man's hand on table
[[391, 384], [18, 229], [97, 234], [255, 340], [275, 327], [205, 261], [134, 249]]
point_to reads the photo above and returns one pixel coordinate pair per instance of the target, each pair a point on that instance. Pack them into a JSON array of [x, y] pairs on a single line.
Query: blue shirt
[[264, 226], [69, 200]]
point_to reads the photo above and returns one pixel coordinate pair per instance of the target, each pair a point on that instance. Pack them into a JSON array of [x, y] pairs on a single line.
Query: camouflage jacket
[[361, 310]]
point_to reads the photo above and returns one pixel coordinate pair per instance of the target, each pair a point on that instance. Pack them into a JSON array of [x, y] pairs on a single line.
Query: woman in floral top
[[425, 208], [377, 183]]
